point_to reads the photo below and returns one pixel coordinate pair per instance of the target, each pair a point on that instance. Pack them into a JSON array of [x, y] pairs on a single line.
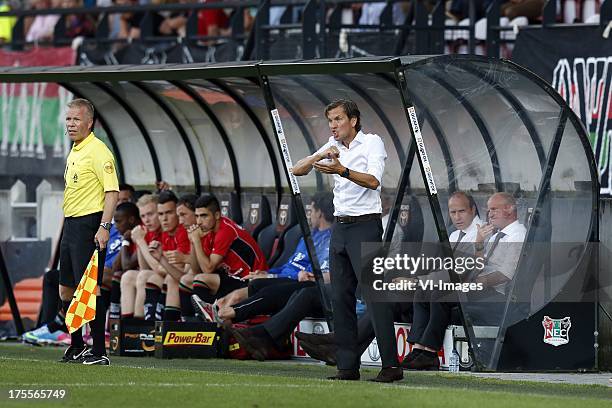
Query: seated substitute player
[[133, 281], [170, 268], [185, 209], [225, 252], [127, 217], [268, 296]]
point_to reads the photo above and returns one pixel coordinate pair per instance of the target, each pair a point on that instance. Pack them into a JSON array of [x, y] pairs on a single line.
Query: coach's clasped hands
[[333, 166]]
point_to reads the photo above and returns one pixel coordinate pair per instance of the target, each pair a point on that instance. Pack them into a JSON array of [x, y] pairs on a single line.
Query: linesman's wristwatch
[[106, 225]]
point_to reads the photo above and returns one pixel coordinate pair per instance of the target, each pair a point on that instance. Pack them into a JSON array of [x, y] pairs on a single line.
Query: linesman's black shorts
[[228, 284], [76, 248]]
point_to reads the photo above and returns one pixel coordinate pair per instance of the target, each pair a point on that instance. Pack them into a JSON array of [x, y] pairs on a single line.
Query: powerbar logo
[[421, 149], [285, 150], [189, 338]]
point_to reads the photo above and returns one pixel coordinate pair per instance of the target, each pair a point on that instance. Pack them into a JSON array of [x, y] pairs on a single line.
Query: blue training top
[[300, 259], [113, 247]]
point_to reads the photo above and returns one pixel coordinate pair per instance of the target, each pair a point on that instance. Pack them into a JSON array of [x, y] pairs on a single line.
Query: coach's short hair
[[147, 199], [208, 201], [350, 108]]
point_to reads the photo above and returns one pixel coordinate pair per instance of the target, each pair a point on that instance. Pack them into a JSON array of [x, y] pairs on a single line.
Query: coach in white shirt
[[357, 162]]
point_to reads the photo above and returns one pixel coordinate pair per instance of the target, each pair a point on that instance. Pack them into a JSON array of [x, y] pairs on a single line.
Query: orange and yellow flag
[[82, 309]]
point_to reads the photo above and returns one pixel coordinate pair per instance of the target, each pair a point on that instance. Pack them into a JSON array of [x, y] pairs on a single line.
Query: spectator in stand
[[78, 25], [212, 22], [6, 25], [175, 24], [168, 23], [532, 9], [459, 9], [129, 23], [41, 28]]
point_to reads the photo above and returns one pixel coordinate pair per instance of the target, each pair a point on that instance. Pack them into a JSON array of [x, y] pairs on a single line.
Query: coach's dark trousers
[[346, 269]]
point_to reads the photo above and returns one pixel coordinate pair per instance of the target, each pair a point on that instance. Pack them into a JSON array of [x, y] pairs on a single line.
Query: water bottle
[[453, 361]]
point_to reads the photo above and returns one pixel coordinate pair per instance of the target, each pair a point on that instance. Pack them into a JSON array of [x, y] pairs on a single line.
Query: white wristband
[[126, 243]]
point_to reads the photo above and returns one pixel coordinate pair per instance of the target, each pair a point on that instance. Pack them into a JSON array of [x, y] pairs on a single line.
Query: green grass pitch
[[148, 382]]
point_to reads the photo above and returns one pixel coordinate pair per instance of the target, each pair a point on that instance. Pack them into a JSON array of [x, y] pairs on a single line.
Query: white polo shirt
[[365, 154]]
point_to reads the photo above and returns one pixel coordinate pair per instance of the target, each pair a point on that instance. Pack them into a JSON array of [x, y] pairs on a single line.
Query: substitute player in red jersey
[[133, 281], [162, 291], [225, 252]]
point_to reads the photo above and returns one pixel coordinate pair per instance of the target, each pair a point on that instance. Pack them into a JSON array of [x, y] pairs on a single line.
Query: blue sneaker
[[42, 336]]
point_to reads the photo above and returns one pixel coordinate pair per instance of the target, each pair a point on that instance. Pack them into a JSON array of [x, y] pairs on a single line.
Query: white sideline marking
[[128, 384], [220, 385]]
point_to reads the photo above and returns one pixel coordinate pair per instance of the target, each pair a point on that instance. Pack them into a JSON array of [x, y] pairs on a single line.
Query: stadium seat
[[271, 239], [480, 29], [266, 239], [290, 240], [410, 220], [515, 23], [594, 19], [448, 34], [259, 215], [462, 34], [28, 297], [589, 9], [230, 206], [569, 11]]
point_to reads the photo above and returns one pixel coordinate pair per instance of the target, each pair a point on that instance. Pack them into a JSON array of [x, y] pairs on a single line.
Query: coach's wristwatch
[[345, 173], [106, 225]]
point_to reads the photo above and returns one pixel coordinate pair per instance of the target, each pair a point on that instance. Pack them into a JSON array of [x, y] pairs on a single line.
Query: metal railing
[[102, 31], [319, 23]]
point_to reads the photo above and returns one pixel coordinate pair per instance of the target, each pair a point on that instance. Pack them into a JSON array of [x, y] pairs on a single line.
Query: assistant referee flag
[[82, 309]]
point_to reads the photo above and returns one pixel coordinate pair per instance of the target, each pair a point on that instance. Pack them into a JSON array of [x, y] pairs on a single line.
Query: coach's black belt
[[357, 218]]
